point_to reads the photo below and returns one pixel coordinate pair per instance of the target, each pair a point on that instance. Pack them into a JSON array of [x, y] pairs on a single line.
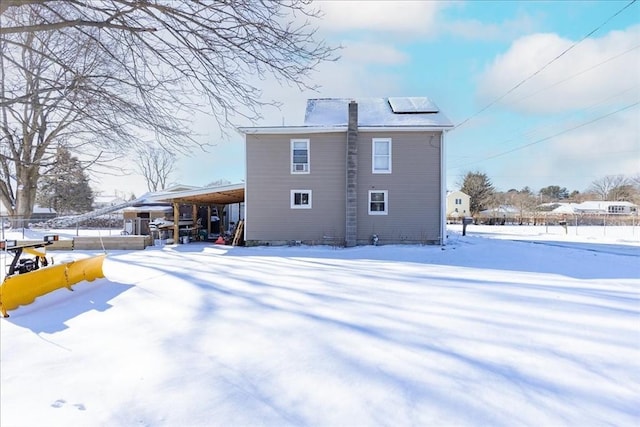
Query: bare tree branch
[[117, 75], [610, 187], [156, 165]]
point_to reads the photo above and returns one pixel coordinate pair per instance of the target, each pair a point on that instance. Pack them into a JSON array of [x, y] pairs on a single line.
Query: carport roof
[[219, 195]]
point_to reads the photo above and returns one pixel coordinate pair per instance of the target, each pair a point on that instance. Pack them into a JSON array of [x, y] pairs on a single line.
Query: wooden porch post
[[176, 220], [194, 218]]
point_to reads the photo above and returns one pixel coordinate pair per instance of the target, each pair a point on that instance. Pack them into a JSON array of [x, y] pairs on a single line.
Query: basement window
[[378, 202], [300, 199]]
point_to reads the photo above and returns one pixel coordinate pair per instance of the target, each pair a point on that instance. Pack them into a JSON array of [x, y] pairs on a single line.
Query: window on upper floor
[[299, 156], [381, 155], [378, 202], [300, 199]]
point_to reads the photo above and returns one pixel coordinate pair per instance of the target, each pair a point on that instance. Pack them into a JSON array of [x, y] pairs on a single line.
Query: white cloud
[[598, 77], [586, 75], [401, 17], [610, 146], [373, 53], [473, 29]]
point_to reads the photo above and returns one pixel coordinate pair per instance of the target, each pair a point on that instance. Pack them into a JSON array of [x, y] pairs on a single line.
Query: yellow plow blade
[[23, 289]]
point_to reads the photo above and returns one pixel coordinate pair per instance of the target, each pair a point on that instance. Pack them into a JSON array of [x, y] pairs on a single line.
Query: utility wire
[[544, 66], [551, 136], [577, 74], [531, 133]]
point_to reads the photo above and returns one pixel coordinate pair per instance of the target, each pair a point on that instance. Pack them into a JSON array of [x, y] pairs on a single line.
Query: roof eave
[[405, 128], [289, 130], [279, 130]]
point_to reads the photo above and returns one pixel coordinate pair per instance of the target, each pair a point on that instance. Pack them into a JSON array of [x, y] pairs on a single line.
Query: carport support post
[[176, 222], [194, 217]]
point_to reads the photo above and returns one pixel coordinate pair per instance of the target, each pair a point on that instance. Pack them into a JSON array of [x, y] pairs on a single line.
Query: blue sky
[[575, 121]]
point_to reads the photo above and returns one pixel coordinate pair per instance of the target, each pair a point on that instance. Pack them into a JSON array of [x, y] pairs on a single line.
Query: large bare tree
[[105, 77], [612, 187]]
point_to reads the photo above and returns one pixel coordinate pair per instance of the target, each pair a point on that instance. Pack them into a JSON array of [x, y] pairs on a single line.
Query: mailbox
[[466, 221], [563, 224]]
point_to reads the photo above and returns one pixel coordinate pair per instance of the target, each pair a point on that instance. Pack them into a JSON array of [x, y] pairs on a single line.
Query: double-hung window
[[378, 202], [381, 155], [300, 199], [299, 156]]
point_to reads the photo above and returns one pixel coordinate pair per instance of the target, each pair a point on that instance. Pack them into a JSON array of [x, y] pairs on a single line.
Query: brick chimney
[[352, 176]]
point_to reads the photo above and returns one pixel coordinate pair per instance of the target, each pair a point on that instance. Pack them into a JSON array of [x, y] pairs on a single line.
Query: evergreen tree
[[65, 186], [554, 193], [480, 190]]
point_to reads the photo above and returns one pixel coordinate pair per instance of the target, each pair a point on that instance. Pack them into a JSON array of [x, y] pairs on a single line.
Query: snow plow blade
[[23, 289]]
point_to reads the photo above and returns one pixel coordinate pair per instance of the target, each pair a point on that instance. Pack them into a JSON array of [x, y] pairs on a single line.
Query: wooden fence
[[97, 243]]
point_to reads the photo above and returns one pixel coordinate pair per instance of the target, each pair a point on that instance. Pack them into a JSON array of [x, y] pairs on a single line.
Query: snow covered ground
[[505, 326]]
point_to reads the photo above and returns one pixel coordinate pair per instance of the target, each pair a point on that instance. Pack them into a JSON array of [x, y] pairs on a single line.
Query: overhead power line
[[538, 141], [530, 134], [593, 67], [492, 103]]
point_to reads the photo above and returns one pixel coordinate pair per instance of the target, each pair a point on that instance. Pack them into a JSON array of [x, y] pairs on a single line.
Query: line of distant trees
[[484, 196]]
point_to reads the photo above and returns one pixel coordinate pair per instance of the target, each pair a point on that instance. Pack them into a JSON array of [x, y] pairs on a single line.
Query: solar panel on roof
[[407, 105]]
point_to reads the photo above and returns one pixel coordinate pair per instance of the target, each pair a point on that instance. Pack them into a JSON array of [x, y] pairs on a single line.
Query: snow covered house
[[597, 207], [458, 204], [356, 171], [606, 207], [101, 202], [38, 211], [500, 214]]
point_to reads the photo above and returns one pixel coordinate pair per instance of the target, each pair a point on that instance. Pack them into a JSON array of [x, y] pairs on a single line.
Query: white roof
[[588, 206], [37, 209], [376, 112], [502, 209], [114, 200], [198, 191], [568, 208], [148, 208], [331, 115]]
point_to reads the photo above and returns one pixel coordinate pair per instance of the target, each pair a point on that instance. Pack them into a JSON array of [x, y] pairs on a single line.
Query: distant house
[[500, 214], [458, 204], [597, 208], [100, 202], [38, 213], [357, 171]]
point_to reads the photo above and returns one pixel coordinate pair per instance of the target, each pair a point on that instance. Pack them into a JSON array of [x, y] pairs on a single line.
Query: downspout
[[243, 215], [351, 217], [443, 189]]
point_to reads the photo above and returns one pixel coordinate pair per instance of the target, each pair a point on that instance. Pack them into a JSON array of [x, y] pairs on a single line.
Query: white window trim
[[373, 155], [294, 206], [386, 203], [308, 164]]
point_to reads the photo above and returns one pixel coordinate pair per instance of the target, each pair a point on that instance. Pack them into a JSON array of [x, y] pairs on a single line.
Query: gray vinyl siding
[[413, 189], [269, 184]]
